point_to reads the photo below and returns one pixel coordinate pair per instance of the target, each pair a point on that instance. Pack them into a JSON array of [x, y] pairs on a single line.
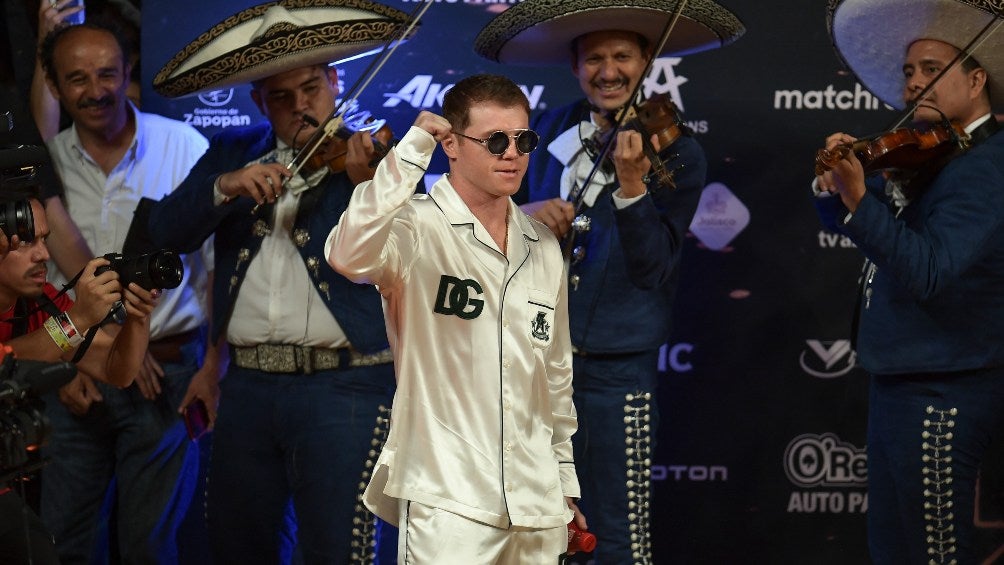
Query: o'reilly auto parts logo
[[830, 475]]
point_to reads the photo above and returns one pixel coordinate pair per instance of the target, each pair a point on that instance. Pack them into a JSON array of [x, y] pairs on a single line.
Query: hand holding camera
[[100, 289]]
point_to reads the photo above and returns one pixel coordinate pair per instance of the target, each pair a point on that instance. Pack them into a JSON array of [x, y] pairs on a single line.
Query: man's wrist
[[218, 197]]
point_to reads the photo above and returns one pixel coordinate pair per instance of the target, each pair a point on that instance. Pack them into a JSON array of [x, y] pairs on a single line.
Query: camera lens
[[160, 269], [165, 270], [16, 219]]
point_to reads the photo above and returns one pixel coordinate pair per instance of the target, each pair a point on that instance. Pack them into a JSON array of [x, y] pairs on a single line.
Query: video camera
[[23, 425], [18, 178]]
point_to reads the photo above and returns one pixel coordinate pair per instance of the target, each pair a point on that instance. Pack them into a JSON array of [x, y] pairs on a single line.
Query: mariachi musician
[[310, 379], [931, 313], [623, 269]]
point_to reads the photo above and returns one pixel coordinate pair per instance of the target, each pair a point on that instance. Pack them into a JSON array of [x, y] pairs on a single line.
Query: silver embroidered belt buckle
[[284, 358]]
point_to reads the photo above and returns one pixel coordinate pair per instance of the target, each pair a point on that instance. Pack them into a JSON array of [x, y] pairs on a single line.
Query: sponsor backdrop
[[761, 455]]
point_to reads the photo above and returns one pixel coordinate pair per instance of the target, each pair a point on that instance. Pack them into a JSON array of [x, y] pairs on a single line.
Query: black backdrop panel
[[761, 455]]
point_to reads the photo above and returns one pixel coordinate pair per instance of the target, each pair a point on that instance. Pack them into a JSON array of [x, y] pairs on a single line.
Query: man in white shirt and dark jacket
[[310, 379]]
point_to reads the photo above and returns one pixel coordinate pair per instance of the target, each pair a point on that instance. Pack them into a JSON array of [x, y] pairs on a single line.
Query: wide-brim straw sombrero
[[872, 37], [275, 37], [540, 32]]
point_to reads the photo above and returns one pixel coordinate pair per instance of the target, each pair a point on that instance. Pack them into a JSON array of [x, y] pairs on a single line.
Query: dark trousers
[[291, 455], [618, 417], [127, 456], [927, 435]]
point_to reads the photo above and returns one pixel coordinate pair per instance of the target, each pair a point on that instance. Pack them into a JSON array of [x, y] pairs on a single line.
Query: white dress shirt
[[160, 156], [483, 417], [278, 303], [567, 148]]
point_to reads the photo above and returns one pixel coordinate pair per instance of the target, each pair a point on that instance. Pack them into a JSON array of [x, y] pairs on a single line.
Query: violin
[[656, 116], [333, 148], [908, 149]]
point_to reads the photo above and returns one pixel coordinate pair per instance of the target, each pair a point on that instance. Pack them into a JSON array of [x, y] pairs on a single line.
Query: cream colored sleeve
[[360, 246]]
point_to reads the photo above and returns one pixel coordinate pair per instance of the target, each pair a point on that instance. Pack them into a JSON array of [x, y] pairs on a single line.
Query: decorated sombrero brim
[[872, 37], [540, 32], [271, 38]]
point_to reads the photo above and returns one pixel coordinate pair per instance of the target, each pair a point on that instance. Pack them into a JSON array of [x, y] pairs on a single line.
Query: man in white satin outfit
[[478, 464]]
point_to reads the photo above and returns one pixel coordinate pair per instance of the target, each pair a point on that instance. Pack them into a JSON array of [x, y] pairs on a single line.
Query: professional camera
[[18, 174], [159, 269], [23, 425]]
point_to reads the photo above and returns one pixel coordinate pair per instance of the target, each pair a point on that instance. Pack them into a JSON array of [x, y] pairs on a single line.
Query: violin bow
[[334, 121], [577, 194]]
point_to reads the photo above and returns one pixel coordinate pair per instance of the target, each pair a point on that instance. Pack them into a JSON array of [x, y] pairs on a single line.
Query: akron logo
[[828, 359]]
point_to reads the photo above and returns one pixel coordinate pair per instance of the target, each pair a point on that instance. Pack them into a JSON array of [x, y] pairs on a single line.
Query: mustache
[[622, 81], [103, 102]]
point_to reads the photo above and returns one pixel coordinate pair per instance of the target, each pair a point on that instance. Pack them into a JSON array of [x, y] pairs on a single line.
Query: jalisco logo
[[454, 297], [719, 218], [828, 359], [827, 99]]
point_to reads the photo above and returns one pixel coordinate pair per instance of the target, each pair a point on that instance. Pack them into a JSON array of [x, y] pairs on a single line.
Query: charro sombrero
[[270, 38], [540, 32], [872, 37]]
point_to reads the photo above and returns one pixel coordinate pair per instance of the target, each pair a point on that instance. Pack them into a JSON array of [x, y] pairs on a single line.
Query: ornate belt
[[281, 358]]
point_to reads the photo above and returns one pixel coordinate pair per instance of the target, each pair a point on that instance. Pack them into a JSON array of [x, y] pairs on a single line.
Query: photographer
[[28, 332], [131, 440], [26, 299]]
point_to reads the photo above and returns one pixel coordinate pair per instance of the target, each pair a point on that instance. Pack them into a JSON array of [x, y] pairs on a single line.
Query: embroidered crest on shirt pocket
[[540, 310]]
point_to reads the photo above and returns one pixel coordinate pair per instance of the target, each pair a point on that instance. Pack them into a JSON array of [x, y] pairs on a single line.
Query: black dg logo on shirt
[[455, 297]]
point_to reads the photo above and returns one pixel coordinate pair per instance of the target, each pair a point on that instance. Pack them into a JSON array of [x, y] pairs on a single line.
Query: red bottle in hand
[[579, 540]]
